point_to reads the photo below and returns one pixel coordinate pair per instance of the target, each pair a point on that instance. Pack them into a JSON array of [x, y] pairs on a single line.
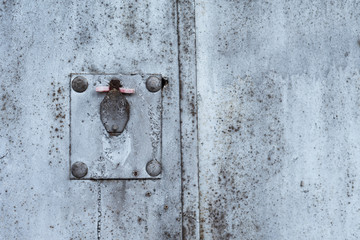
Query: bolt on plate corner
[[115, 131]]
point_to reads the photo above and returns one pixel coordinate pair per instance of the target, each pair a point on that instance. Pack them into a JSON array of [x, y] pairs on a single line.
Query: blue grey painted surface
[[41, 44], [272, 87], [278, 105], [188, 108]]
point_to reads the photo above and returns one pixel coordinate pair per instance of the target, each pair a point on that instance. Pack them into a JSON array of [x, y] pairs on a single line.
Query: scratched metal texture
[[41, 43], [188, 108], [279, 107]]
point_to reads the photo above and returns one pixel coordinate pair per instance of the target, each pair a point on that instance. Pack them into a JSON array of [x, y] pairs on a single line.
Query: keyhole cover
[[114, 110]]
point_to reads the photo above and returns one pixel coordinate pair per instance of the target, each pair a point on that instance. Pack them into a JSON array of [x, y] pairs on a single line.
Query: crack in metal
[[4, 155], [99, 212]]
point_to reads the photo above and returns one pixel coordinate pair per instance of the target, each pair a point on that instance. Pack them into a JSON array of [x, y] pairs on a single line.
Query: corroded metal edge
[[188, 117]]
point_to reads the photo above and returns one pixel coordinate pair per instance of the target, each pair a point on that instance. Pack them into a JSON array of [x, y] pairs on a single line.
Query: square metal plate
[[115, 157]]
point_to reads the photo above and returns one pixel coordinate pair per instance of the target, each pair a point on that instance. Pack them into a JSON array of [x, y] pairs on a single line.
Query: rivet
[[153, 84], [79, 84], [79, 169], [115, 127], [153, 168]]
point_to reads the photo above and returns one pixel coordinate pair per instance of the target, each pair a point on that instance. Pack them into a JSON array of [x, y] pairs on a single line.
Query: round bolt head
[[79, 84], [79, 169], [153, 84], [153, 168]]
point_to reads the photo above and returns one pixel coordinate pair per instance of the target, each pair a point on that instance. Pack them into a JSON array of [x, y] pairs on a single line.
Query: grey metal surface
[[189, 131], [278, 85], [123, 156], [273, 89], [41, 43]]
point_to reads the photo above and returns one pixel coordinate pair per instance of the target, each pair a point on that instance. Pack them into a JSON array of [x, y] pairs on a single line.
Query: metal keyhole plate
[[116, 156]]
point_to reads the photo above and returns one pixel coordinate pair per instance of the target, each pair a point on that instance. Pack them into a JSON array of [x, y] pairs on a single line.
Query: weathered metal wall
[[262, 102], [41, 44], [278, 107]]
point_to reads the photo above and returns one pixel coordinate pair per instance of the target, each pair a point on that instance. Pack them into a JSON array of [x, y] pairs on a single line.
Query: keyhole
[[115, 84]]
